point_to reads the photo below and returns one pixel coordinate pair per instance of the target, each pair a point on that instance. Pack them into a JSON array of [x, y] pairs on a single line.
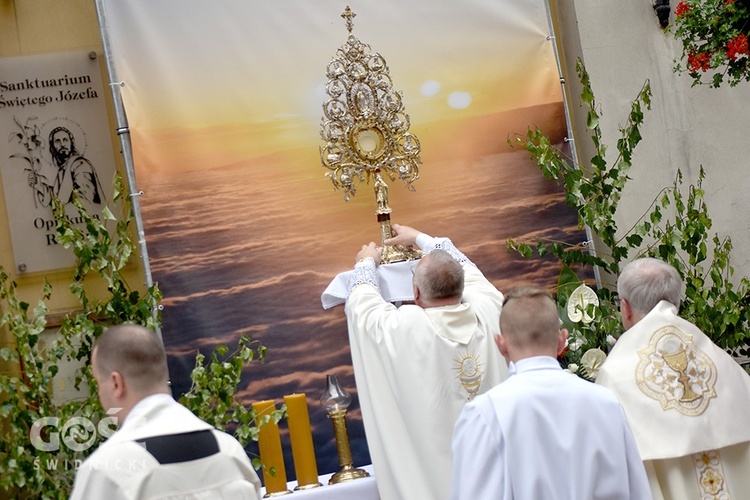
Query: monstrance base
[[391, 254]]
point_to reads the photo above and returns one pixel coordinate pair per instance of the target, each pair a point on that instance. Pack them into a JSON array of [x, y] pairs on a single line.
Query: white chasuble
[[122, 469], [688, 404], [415, 370]]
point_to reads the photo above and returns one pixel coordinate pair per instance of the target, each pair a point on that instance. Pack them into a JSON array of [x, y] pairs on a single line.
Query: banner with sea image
[[244, 230]]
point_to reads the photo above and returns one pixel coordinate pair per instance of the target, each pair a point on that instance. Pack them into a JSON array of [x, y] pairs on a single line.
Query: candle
[[300, 434], [269, 444]]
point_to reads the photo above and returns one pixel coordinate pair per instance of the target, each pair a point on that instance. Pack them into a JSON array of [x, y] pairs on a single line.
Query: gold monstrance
[[366, 131]]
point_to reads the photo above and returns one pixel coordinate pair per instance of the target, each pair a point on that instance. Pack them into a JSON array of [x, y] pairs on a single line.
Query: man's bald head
[[137, 354], [439, 277]]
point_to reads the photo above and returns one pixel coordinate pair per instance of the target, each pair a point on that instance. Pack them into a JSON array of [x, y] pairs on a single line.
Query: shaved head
[[136, 353], [529, 319]]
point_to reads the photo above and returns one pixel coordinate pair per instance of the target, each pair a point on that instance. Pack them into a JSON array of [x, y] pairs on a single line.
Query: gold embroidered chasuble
[[688, 404]]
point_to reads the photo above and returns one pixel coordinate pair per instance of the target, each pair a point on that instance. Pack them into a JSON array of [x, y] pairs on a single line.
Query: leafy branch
[[213, 392], [593, 190]]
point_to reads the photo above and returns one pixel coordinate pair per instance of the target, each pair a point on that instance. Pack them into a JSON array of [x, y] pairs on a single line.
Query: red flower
[[737, 45], [681, 9], [730, 2], [700, 61]]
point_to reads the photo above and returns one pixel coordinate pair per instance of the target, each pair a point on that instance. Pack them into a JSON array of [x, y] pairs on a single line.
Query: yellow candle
[[300, 434], [269, 445]]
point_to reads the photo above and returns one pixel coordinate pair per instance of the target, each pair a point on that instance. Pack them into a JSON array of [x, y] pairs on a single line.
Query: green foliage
[[594, 191], [26, 471], [101, 253], [29, 470], [213, 393], [27, 398], [674, 228]]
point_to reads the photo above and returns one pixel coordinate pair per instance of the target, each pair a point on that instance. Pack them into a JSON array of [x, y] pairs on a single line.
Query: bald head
[[529, 322], [137, 354], [439, 277]]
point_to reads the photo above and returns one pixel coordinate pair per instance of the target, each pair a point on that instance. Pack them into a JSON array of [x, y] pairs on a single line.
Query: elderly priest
[[687, 401], [417, 365]]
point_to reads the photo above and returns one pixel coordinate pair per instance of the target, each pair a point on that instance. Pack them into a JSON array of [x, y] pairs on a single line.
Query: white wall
[[622, 45]]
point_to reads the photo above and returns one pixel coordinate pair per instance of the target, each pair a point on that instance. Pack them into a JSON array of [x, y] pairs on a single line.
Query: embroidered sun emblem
[[469, 373]]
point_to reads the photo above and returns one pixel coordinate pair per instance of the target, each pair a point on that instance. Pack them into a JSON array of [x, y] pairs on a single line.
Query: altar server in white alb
[[543, 434], [161, 449], [417, 365], [688, 401]]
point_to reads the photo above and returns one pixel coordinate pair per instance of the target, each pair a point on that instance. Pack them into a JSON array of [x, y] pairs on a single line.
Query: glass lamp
[[336, 400]]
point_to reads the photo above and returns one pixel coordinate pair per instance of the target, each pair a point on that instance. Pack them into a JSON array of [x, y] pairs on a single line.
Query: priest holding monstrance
[[415, 365]]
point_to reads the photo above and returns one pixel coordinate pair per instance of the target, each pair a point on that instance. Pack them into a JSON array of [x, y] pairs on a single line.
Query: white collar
[[145, 405], [536, 363]]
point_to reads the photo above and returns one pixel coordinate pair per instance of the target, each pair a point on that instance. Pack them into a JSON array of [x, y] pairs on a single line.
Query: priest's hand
[[369, 251], [404, 235]]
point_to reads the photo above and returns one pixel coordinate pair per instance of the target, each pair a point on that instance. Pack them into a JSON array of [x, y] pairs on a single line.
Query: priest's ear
[[417, 295], [627, 314]]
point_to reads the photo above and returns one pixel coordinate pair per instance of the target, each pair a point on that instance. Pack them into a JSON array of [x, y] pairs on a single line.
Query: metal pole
[[573, 152], [123, 132]]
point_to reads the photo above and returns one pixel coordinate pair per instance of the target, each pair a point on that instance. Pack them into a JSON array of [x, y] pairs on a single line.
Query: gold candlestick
[[348, 471], [337, 400]]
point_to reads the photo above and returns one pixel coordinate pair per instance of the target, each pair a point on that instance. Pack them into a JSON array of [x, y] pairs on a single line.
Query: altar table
[[360, 489]]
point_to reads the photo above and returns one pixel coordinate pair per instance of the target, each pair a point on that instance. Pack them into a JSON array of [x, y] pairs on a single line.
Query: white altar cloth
[[364, 488], [394, 281]]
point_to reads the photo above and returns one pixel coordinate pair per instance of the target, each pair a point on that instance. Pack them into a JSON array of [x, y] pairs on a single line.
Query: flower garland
[[714, 35]]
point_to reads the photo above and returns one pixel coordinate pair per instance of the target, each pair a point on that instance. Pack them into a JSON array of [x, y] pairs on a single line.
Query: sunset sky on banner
[[211, 62], [244, 231]]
